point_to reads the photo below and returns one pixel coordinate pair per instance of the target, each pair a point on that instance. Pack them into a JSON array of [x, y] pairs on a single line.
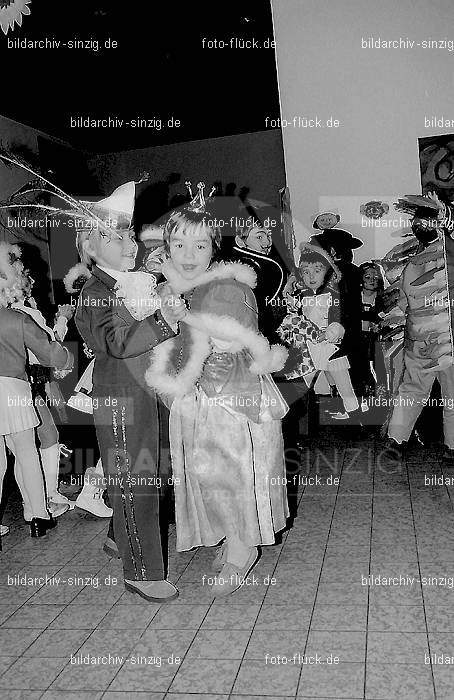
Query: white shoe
[[340, 416], [56, 509], [62, 500], [154, 591], [4, 529], [232, 577], [90, 499]]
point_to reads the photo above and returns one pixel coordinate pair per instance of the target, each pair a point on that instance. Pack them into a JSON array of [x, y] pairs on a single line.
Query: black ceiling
[[159, 70]]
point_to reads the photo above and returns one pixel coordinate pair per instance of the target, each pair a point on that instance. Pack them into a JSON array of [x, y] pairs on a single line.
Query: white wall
[[380, 97]]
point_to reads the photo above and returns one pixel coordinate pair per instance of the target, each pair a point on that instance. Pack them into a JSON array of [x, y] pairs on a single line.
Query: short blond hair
[[82, 236]]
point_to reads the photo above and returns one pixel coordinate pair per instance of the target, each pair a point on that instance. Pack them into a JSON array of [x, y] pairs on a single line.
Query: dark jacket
[[121, 345], [271, 279], [19, 332]]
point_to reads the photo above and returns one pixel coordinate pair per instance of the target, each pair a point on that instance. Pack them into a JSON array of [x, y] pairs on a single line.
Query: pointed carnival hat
[[118, 207]]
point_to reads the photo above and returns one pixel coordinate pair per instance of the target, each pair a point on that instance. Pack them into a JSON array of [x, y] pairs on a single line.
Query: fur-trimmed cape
[[162, 375]]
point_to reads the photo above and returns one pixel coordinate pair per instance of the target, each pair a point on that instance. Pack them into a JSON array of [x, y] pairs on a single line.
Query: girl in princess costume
[[225, 428]]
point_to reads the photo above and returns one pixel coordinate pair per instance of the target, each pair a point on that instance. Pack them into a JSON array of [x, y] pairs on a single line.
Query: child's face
[[116, 251], [313, 274], [191, 251], [259, 239], [371, 280], [326, 220]]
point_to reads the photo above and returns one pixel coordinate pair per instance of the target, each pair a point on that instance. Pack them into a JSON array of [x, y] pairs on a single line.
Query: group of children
[[198, 347]]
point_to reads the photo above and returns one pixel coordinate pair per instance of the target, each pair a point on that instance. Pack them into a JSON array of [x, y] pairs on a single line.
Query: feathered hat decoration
[[106, 215]]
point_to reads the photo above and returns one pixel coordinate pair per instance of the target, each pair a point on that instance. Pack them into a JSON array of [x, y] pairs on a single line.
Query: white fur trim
[[79, 270], [177, 385], [266, 359], [238, 271]]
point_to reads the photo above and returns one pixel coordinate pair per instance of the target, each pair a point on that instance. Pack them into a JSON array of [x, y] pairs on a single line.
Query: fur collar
[[204, 326], [238, 271]]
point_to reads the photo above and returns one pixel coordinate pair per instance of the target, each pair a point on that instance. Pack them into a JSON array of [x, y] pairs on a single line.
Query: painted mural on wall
[[436, 158]]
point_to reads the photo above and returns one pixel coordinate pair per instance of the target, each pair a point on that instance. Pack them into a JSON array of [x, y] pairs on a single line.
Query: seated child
[[313, 329]]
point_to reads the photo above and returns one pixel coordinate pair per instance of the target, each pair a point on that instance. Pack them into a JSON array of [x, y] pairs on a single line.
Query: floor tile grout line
[[370, 567], [22, 654], [420, 578], [161, 607], [258, 614], [91, 631], [318, 583]]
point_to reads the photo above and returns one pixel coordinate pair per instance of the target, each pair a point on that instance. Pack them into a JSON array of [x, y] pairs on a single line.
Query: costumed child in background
[[18, 418], [426, 288], [312, 327], [340, 244], [254, 247], [225, 429], [371, 295], [45, 391]]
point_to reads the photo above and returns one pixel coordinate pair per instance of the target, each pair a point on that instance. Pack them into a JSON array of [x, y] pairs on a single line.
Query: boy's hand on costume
[[173, 308]]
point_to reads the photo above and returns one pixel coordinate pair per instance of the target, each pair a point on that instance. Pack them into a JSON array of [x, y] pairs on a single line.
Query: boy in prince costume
[[125, 413]]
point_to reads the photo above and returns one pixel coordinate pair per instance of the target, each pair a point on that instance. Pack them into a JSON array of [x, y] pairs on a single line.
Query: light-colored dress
[[225, 429], [17, 411]]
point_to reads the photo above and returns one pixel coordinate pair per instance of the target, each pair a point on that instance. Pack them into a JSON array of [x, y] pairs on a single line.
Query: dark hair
[[187, 218], [314, 257], [372, 266]]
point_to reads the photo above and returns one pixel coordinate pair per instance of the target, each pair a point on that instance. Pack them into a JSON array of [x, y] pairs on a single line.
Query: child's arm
[[105, 329], [48, 352]]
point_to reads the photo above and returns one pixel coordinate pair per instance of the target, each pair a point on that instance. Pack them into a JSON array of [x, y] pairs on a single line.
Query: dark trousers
[[127, 430], [296, 393]]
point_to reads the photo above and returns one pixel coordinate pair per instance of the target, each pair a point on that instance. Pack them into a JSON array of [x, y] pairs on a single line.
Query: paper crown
[[198, 202]]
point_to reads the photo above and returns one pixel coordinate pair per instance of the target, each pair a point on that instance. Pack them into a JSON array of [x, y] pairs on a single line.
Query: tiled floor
[[311, 599]]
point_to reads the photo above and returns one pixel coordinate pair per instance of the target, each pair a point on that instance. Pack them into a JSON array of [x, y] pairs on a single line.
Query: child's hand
[[173, 308], [65, 310], [334, 333], [321, 337]]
